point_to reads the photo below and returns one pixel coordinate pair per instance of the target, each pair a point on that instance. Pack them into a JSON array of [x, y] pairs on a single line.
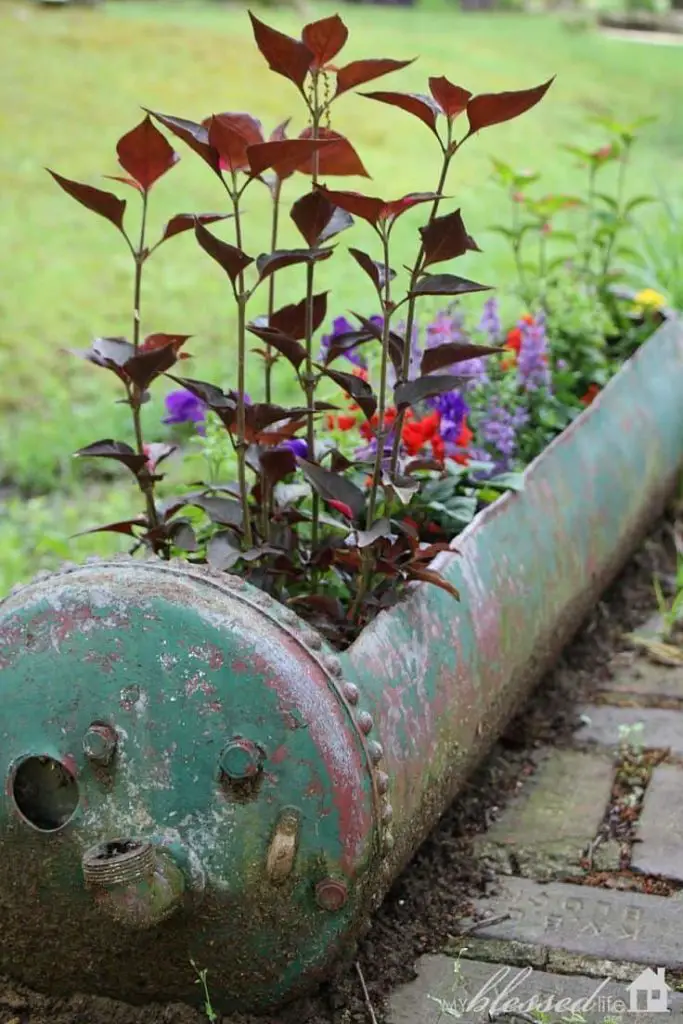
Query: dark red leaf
[[451, 98], [193, 134], [496, 107], [325, 38], [357, 388], [117, 450], [338, 222], [415, 465], [337, 159], [279, 133], [105, 203], [452, 352], [232, 134], [289, 347], [145, 154], [358, 72], [124, 181], [379, 529], [418, 572], [182, 535], [223, 551], [185, 221], [277, 464], [233, 261], [283, 157], [374, 270], [311, 214], [291, 319], [157, 452], [332, 487], [284, 55], [447, 284], [224, 511], [124, 526], [396, 342], [342, 344], [211, 395], [422, 107], [415, 391], [445, 238], [358, 205], [158, 353], [270, 262]]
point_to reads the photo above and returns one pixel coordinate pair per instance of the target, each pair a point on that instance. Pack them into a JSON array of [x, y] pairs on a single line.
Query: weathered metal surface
[[442, 678], [184, 778], [191, 773]]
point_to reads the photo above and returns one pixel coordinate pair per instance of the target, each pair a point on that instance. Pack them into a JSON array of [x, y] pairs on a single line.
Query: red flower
[[591, 393], [417, 433], [346, 422], [368, 429]]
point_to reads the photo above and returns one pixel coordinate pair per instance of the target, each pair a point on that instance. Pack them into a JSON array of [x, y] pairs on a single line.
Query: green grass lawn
[[73, 80]]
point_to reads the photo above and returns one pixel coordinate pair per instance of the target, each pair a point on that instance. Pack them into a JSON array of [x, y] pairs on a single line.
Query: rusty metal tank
[[192, 776]]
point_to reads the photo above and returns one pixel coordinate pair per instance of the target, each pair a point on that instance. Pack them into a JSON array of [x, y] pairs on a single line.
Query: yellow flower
[[648, 301]]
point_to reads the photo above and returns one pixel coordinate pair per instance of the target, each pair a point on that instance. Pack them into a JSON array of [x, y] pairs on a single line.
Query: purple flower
[[298, 446], [446, 326], [184, 407], [532, 362], [453, 409], [497, 431], [490, 320]]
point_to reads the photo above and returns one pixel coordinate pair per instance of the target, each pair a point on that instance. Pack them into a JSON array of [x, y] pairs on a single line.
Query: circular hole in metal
[[45, 793]]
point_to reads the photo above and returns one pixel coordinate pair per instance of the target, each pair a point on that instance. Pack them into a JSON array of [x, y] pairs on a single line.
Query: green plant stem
[[381, 402], [410, 316], [588, 247], [241, 444], [145, 483], [517, 250], [621, 182], [271, 285], [365, 572], [309, 380]]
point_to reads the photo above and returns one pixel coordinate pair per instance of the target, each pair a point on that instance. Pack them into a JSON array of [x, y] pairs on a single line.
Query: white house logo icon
[[649, 992]]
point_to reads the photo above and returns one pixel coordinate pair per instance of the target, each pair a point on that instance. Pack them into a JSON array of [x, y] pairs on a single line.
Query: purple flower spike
[[184, 407], [490, 321], [453, 409], [498, 429], [532, 362]]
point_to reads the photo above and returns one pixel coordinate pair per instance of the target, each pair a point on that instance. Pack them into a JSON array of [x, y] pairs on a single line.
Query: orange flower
[[592, 391], [513, 342]]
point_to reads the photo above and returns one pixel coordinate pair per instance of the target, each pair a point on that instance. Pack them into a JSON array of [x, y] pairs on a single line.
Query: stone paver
[[543, 832], [613, 925], [660, 827], [479, 989], [644, 678], [661, 727]]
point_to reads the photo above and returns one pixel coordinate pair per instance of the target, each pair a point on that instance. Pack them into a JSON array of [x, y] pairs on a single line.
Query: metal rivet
[[387, 814], [99, 743], [330, 894], [241, 759], [312, 640], [376, 751], [388, 844], [350, 691], [382, 782], [289, 618], [364, 722], [333, 666]]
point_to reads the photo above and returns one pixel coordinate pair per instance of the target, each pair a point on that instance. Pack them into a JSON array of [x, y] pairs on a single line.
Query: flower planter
[[190, 772]]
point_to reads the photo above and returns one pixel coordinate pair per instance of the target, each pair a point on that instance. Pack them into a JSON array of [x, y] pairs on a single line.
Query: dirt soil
[[434, 892]]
